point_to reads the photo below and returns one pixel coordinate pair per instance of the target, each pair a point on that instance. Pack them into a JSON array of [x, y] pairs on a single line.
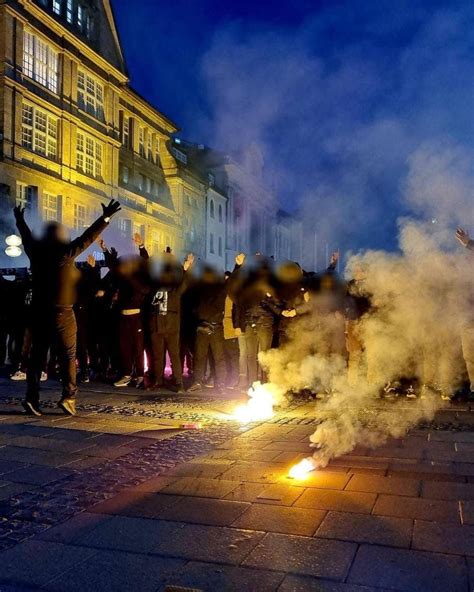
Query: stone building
[[73, 133]]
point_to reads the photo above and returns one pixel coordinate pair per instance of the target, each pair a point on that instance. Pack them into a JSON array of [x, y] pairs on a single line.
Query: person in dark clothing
[[86, 342], [162, 313], [54, 282], [132, 284], [210, 296], [7, 320]]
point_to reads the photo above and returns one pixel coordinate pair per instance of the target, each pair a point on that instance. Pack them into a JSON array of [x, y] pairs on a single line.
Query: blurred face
[[56, 232]]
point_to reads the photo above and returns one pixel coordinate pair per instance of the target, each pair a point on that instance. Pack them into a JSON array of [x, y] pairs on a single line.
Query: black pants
[[214, 343], [160, 344], [258, 338], [132, 345], [231, 352], [53, 327]]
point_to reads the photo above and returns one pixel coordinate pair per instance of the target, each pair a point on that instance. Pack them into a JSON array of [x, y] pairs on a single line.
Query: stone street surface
[[121, 497]]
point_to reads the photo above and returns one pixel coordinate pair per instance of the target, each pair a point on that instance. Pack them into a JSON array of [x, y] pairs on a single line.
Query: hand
[[112, 208], [91, 260], [102, 245], [137, 239], [239, 260], [19, 212], [289, 314], [463, 237], [113, 252], [100, 294], [335, 258], [189, 261], [306, 296]]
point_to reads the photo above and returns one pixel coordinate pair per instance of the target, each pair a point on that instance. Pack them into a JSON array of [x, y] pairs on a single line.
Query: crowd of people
[[122, 320]]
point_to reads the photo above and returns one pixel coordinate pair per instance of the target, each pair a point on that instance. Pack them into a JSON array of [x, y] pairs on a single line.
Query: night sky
[[362, 110]]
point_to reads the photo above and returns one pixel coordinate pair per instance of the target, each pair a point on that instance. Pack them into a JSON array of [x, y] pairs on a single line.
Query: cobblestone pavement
[[121, 497]]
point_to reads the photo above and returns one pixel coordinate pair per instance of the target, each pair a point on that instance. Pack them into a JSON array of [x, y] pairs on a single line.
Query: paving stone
[[206, 470], [8, 466], [417, 508], [38, 562], [302, 555], [140, 504], [110, 571], [288, 457], [360, 528], [209, 577], [200, 487], [197, 510], [255, 472], [447, 491], [139, 535], [52, 444], [306, 584], [323, 480], [247, 492], [155, 484], [209, 543], [403, 570], [444, 538], [77, 526], [35, 456], [280, 494], [10, 489], [342, 501], [286, 446], [38, 475], [377, 484], [280, 519]]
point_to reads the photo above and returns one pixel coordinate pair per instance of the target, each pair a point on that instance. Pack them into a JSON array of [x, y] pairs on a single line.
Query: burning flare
[[259, 406], [301, 470]]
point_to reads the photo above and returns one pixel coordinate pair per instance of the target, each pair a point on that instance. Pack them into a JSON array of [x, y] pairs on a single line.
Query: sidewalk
[[115, 500]]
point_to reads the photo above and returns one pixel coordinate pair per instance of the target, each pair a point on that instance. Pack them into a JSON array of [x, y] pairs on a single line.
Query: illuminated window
[[80, 217], [179, 155], [39, 131], [149, 146], [141, 141], [147, 185], [40, 61], [23, 195], [125, 174], [155, 242], [57, 6], [89, 155], [70, 11], [90, 95], [157, 150], [50, 208]]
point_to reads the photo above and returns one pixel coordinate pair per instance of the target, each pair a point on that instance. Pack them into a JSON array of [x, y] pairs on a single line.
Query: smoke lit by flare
[[259, 407], [300, 470]]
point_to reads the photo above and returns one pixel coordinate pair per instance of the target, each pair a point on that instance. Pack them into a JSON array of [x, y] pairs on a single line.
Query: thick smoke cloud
[[343, 104]]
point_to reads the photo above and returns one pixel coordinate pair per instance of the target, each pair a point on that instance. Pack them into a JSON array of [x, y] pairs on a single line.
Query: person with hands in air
[[54, 283]]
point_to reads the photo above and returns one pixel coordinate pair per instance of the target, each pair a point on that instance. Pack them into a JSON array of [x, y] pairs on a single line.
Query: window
[[125, 174], [126, 131], [220, 246], [39, 131], [40, 61], [211, 243], [90, 95], [125, 227], [179, 155], [221, 215], [89, 155], [50, 207], [147, 185], [70, 11], [155, 242], [211, 208], [211, 179], [57, 6], [141, 141], [80, 216], [149, 146], [141, 182], [23, 195], [157, 150]]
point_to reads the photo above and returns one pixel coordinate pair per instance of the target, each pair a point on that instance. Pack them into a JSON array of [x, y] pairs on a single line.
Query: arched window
[[211, 243], [220, 213], [211, 208]]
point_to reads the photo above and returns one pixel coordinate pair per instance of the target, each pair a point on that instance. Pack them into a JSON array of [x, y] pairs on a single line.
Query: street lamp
[[13, 243]]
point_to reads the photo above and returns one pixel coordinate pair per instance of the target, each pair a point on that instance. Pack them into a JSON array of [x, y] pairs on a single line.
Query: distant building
[[74, 134]]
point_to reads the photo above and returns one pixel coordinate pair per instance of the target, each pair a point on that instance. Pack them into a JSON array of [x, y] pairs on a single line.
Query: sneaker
[[84, 376], [124, 381], [44, 377], [68, 406], [411, 394], [197, 386], [140, 382], [19, 375], [155, 386], [32, 408]]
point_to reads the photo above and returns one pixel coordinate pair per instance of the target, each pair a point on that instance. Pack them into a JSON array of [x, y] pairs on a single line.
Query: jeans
[[231, 351], [257, 338], [214, 343], [53, 327]]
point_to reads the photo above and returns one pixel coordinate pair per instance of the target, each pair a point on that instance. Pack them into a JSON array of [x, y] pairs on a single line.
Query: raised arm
[[464, 239], [138, 240], [23, 229], [81, 243]]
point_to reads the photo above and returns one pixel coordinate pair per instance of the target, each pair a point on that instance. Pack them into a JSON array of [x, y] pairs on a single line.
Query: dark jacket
[[54, 274]]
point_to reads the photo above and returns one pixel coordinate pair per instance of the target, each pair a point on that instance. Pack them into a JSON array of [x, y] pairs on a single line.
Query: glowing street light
[[13, 240], [13, 251]]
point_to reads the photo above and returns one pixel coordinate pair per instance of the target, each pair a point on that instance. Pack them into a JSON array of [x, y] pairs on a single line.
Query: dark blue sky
[[355, 105]]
